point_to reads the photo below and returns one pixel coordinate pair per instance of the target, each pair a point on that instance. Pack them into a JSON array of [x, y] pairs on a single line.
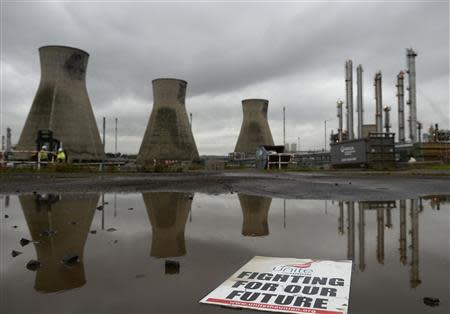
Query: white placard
[[287, 285]]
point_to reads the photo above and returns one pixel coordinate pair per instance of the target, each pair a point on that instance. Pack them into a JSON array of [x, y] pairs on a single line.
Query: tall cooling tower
[[168, 213], [255, 210], [62, 105], [59, 225], [255, 130], [168, 135]]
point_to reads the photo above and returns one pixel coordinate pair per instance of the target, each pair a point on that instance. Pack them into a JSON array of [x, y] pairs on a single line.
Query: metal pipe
[[387, 122], [115, 139], [8, 140], [349, 97], [419, 131], [401, 107], [103, 143], [339, 115], [378, 103], [411, 62], [359, 100]]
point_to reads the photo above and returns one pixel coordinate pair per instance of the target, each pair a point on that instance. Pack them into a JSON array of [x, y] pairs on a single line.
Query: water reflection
[[383, 211], [255, 210], [437, 200], [168, 213], [59, 225], [410, 246]]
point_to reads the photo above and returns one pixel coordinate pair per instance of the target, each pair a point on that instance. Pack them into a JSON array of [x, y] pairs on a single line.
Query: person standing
[[43, 154], [61, 156]]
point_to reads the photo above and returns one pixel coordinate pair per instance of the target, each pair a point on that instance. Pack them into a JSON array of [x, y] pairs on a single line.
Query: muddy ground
[[305, 185]]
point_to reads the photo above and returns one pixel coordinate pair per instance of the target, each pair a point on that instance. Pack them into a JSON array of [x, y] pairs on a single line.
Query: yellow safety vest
[[61, 156], [43, 155]]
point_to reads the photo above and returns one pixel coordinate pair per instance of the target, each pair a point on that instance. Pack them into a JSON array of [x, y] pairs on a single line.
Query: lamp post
[[284, 126], [325, 133]]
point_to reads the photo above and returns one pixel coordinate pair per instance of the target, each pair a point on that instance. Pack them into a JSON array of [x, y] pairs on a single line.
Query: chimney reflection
[[414, 210], [168, 213], [59, 225], [380, 235], [351, 230], [388, 218], [341, 218], [362, 224], [403, 241], [255, 210], [383, 211]]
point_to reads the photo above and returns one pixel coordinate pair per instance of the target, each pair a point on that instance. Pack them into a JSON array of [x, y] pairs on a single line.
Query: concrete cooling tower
[[255, 210], [62, 105], [255, 130], [59, 225], [168, 213], [168, 135]]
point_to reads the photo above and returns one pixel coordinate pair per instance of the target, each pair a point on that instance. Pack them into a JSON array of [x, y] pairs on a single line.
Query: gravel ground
[[305, 185]]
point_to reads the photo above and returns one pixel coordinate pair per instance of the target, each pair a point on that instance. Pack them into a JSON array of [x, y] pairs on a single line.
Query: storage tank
[[255, 130], [59, 226], [62, 105], [168, 135]]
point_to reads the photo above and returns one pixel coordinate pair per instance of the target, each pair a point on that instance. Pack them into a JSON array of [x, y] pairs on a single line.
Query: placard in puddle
[[287, 285]]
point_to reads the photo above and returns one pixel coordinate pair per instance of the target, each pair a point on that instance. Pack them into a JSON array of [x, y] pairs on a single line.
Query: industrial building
[[273, 157], [61, 108], [54, 237], [255, 130], [168, 135], [376, 145]]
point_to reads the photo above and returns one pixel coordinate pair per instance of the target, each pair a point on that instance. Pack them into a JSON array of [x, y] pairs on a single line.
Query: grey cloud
[[291, 53]]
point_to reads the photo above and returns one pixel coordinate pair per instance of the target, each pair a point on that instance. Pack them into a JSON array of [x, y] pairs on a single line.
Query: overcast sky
[[292, 54]]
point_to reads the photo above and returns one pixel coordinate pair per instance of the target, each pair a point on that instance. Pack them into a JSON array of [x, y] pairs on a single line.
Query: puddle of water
[[162, 252]]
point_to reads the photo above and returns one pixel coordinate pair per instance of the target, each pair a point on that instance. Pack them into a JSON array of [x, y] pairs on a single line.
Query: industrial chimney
[[168, 213], [255, 210], [168, 135], [340, 117], [387, 120], [53, 213], [359, 100], [349, 98], [8, 140], [62, 105], [378, 103], [411, 61], [255, 130], [401, 107]]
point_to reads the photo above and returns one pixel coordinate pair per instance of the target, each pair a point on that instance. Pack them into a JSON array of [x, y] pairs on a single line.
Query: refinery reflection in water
[[383, 212], [59, 226], [147, 236]]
